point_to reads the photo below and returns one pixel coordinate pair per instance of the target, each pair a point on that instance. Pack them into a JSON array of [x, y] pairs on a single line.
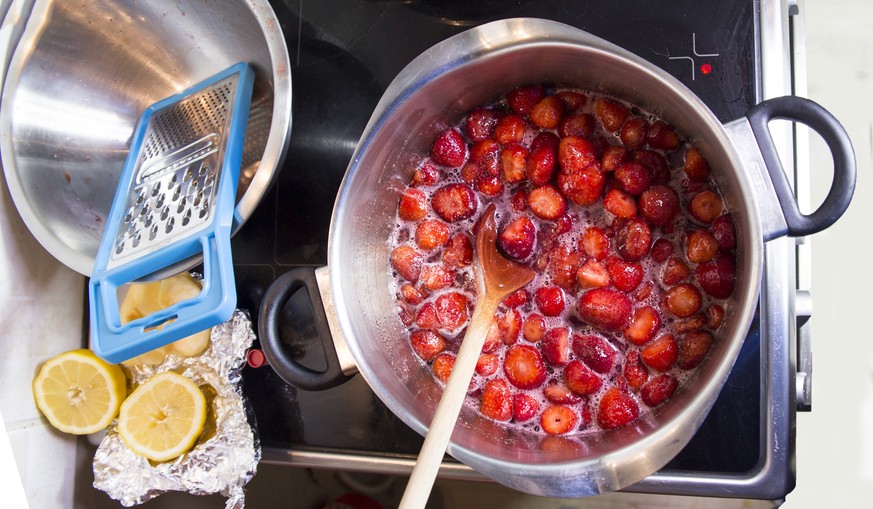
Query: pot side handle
[[282, 363], [813, 115]]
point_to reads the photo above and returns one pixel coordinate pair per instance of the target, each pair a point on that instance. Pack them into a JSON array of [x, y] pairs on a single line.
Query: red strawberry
[[489, 186], [635, 372], [513, 160], [510, 326], [644, 326], [442, 366], [575, 154], [697, 321], [449, 149], [487, 364], [696, 167], [519, 200], [541, 165], [413, 205], [407, 262], [706, 206], [524, 407], [436, 277], [411, 294], [581, 125], [486, 155], [658, 389], [560, 395], [534, 328], [480, 123], [425, 175], [610, 113], [613, 157], [595, 352], [583, 187], [633, 132], [625, 276], [493, 338], [563, 264], [558, 419], [454, 202], [580, 379], [605, 308], [547, 113], [700, 246], [693, 348], [451, 309], [523, 99], [661, 250], [675, 271], [661, 353], [431, 233], [549, 300], [592, 274], [524, 367], [572, 100], [634, 239], [655, 161], [662, 137], [644, 291], [633, 177], [459, 251], [717, 277], [471, 172], [723, 231], [594, 243], [683, 300], [517, 240], [510, 129], [496, 400], [547, 203], [556, 346], [715, 316], [516, 299], [427, 318], [620, 203], [659, 205], [616, 409], [427, 344]]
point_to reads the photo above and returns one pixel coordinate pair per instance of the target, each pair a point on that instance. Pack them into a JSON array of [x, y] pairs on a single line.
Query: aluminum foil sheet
[[225, 457]]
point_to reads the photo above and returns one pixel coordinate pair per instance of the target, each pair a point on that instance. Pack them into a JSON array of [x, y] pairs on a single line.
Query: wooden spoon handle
[[443, 423]]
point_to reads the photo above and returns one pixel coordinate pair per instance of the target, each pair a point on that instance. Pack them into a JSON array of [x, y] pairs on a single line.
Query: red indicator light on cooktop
[[705, 68]]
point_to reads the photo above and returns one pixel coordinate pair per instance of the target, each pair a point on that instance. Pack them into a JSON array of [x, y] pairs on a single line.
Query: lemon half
[[78, 392], [163, 417]]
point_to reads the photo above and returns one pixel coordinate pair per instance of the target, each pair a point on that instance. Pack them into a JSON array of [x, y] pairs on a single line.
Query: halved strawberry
[[620, 203], [605, 308], [717, 277], [556, 346], [454, 202], [534, 328], [471, 172], [523, 99], [489, 186], [575, 154], [700, 246], [723, 231], [513, 161], [633, 132], [487, 364], [411, 294], [558, 419], [407, 262], [493, 338], [594, 351], [442, 366], [451, 309], [592, 274], [583, 187], [616, 409], [486, 155], [655, 161], [658, 389], [413, 205], [425, 175], [436, 277], [693, 348], [696, 167], [594, 242], [581, 124], [661, 250], [427, 344], [675, 271], [449, 149], [480, 123], [496, 400], [431, 233], [459, 251], [611, 114], [580, 379], [560, 395], [635, 372], [633, 177], [519, 200], [510, 129], [659, 205], [549, 300], [547, 203], [683, 300], [510, 326], [715, 316], [625, 276], [427, 318], [634, 239], [517, 240], [661, 353], [542, 164], [547, 113], [613, 157], [572, 100], [697, 321], [516, 298], [524, 407], [524, 367], [563, 264], [662, 137], [644, 326], [706, 206]]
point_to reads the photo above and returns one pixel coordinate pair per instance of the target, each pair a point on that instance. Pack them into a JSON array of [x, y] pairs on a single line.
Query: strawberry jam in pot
[[632, 244]]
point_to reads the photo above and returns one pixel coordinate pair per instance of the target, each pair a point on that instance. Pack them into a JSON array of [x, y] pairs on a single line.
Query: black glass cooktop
[[343, 55]]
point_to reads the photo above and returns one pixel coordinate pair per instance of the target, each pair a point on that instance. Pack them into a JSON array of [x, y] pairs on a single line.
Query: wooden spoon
[[496, 277]]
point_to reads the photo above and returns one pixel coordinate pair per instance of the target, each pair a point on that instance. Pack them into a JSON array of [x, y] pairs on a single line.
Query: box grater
[[175, 199]]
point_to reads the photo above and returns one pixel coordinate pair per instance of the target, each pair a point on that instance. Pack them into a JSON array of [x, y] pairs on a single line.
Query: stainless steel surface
[[84, 72], [430, 95]]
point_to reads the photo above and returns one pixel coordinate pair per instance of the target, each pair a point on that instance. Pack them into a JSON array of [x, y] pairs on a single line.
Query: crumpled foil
[[225, 457]]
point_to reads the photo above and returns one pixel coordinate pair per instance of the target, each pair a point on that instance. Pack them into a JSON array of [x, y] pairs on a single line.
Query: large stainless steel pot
[[433, 93], [83, 73]]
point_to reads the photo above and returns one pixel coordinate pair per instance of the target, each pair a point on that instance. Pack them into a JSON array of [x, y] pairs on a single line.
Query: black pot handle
[[820, 120], [268, 329]]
